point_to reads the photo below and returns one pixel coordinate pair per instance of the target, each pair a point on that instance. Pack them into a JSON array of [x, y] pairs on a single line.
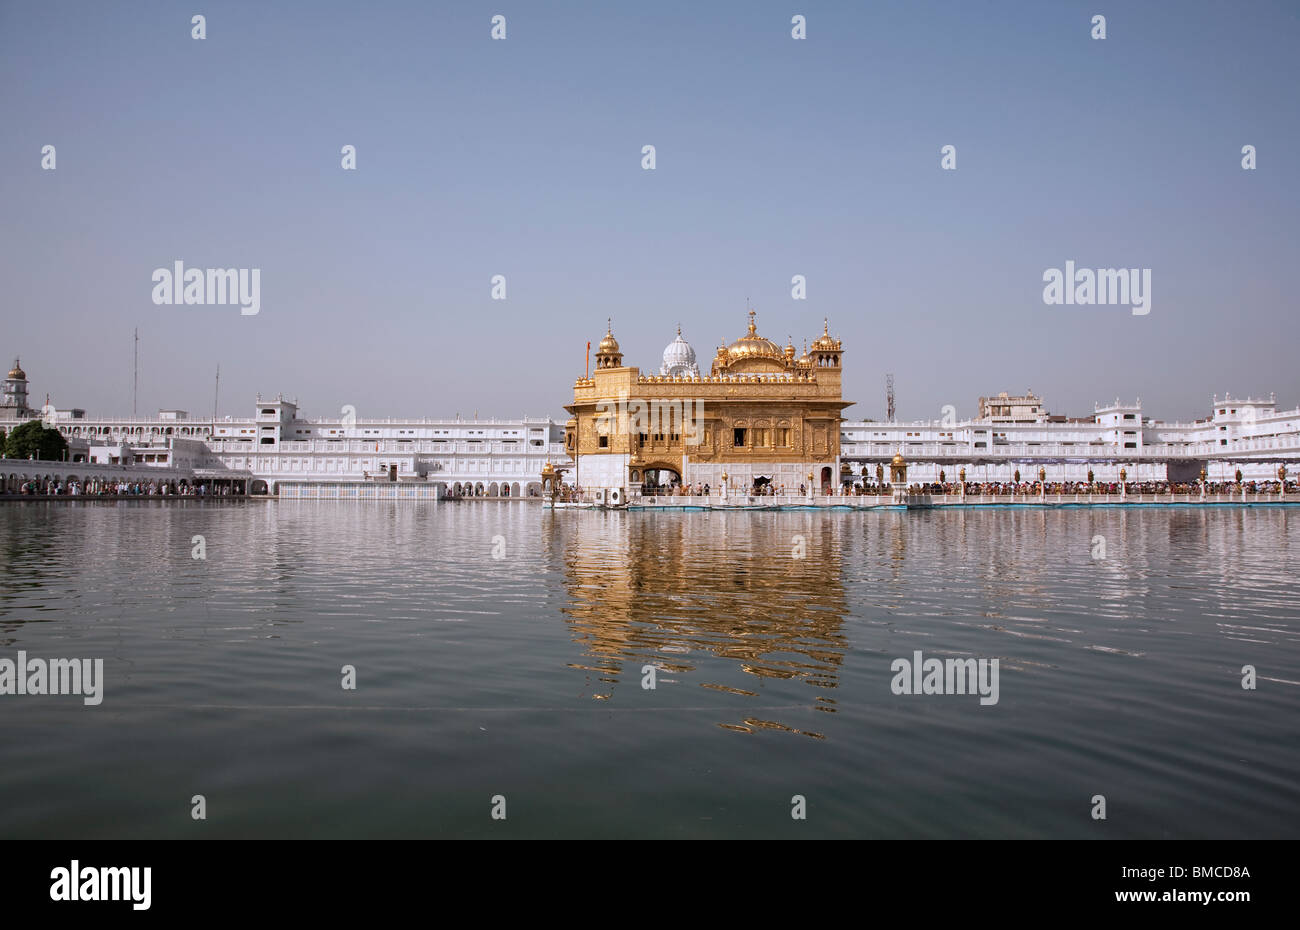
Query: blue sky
[[522, 158]]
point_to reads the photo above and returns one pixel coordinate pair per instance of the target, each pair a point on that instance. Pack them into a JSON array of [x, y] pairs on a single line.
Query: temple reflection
[[717, 601]]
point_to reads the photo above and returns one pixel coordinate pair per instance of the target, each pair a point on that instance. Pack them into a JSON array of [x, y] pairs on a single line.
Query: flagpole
[[577, 435]]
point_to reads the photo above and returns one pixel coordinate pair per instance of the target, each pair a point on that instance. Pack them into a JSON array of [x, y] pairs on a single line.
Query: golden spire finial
[[752, 328], [609, 325], [826, 326]]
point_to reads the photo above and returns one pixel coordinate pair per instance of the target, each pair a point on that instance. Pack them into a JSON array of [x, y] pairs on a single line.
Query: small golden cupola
[[826, 349], [608, 354]]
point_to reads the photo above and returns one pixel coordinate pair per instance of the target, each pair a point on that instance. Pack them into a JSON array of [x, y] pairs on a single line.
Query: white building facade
[[277, 451], [1249, 434]]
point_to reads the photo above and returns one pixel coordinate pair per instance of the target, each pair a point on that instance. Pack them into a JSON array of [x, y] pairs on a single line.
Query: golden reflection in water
[[682, 591]]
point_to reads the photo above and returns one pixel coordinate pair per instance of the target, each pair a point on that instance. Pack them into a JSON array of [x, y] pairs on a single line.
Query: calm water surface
[[522, 675]]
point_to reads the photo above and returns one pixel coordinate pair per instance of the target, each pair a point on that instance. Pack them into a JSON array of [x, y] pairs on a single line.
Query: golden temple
[[761, 418]]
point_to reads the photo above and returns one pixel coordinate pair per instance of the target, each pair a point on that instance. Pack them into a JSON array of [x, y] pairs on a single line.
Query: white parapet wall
[[356, 491]]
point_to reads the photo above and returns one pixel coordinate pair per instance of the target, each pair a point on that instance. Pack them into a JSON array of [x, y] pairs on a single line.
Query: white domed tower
[[679, 359]]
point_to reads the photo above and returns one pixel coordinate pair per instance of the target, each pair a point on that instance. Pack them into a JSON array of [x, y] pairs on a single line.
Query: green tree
[[33, 439]]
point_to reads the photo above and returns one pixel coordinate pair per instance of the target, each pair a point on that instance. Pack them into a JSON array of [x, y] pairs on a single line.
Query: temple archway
[[658, 476]]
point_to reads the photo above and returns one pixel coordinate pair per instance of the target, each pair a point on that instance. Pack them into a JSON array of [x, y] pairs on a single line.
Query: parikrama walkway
[[940, 501]]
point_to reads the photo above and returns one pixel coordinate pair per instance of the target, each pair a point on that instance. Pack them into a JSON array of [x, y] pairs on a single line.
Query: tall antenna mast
[[889, 397], [215, 395], [135, 376]]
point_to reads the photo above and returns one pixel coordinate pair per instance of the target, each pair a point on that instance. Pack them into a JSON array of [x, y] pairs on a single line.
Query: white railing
[[931, 451], [424, 447], [739, 500]]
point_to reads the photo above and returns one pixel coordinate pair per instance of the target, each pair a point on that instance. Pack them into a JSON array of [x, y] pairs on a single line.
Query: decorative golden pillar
[[898, 476], [550, 484]]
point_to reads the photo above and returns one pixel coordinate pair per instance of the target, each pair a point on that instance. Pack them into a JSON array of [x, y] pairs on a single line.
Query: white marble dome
[[679, 358]]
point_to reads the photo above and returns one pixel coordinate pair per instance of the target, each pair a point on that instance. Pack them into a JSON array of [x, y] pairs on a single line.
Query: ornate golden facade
[[761, 416]]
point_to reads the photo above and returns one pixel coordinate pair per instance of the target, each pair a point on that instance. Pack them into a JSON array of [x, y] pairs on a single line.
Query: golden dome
[[824, 341], [17, 371], [898, 459], [548, 469], [752, 345], [608, 344]]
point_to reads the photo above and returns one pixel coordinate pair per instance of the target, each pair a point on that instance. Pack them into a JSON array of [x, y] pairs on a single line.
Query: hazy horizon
[[775, 157]]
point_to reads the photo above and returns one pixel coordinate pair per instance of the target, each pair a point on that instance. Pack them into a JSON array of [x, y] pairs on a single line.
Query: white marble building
[[277, 447], [1247, 433]]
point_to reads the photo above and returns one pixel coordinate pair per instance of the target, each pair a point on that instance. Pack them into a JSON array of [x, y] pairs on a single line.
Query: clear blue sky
[[522, 158]]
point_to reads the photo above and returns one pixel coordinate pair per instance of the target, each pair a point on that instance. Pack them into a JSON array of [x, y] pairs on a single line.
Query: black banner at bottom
[[140, 880]]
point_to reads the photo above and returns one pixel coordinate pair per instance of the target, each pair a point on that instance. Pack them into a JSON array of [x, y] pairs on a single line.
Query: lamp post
[[880, 478], [723, 489], [811, 495], [1202, 482], [1241, 484], [1281, 476], [1123, 483], [1042, 484], [961, 476]]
